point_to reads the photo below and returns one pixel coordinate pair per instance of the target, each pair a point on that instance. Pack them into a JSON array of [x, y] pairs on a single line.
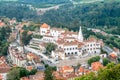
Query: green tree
[[26, 37], [33, 71], [13, 74], [18, 72], [111, 72], [4, 34], [48, 74], [105, 61], [23, 72], [110, 65], [118, 60], [50, 47], [93, 59], [54, 68]]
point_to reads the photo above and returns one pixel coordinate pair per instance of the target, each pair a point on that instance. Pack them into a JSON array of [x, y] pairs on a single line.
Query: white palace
[[69, 43]]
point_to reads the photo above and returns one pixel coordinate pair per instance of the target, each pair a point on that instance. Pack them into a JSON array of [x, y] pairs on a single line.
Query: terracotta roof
[[87, 71], [92, 39], [96, 66], [37, 76], [81, 69], [29, 68], [32, 55], [70, 43], [58, 76], [67, 69], [1, 77], [113, 55], [4, 68], [2, 59], [2, 24], [44, 25], [57, 29], [68, 38], [71, 76], [60, 41]]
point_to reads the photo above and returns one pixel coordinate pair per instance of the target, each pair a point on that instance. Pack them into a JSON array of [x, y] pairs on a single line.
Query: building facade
[[72, 43]]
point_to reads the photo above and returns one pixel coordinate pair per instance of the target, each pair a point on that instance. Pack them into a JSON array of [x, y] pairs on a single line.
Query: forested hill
[[18, 11], [105, 13], [91, 15], [45, 1]]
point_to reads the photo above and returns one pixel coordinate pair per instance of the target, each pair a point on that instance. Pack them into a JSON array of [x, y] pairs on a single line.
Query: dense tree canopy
[[45, 1], [26, 37], [111, 72], [91, 15], [4, 34], [48, 74], [18, 72], [17, 10]]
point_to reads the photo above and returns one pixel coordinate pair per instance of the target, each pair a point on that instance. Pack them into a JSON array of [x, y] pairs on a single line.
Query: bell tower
[[80, 35]]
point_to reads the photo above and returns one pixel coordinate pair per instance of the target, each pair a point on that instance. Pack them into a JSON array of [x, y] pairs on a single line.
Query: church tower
[[80, 35]]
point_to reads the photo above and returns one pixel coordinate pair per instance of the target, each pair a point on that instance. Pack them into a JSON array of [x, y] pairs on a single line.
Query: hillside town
[[70, 55]]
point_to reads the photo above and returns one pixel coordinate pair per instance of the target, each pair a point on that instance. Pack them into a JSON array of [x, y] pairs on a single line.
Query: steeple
[[18, 37], [80, 35]]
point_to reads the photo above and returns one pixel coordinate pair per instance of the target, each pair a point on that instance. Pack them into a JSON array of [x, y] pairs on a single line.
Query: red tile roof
[[96, 66], [2, 24], [4, 68], [37, 76], [113, 55], [57, 29], [1, 77], [65, 69], [29, 68], [71, 33], [68, 38], [45, 25], [70, 43], [91, 39], [81, 69], [58, 76], [32, 56]]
